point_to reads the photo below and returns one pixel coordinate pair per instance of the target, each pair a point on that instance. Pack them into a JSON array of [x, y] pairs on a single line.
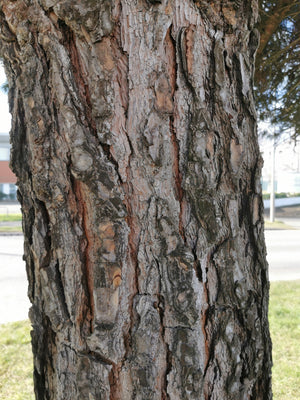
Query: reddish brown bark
[[135, 147]]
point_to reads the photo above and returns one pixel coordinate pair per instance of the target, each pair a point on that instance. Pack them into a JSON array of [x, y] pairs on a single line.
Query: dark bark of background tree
[[134, 142]]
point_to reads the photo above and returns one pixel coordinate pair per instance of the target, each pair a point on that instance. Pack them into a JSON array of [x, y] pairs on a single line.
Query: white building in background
[[287, 166], [8, 189]]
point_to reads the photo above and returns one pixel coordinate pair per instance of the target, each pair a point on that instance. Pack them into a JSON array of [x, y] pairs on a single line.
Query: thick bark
[[134, 142]]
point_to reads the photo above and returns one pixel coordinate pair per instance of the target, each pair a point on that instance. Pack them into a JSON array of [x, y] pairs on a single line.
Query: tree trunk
[[134, 143]]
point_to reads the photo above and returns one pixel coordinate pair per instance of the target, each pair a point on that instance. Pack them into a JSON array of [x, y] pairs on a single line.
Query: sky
[[4, 114]]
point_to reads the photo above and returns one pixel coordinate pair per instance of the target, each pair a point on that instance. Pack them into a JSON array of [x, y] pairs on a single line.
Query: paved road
[[294, 222], [14, 304], [283, 256]]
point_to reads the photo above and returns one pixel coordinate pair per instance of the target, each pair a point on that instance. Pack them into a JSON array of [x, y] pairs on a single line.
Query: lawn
[[10, 217], [15, 361], [10, 223], [11, 229], [284, 315]]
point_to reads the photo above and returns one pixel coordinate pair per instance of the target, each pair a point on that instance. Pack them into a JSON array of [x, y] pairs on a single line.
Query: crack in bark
[[43, 337], [208, 309], [47, 240], [133, 237], [110, 157], [160, 306], [133, 243], [161, 310], [61, 292], [212, 81], [133, 251], [94, 356], [87, 275], [85, 116], [114, 380], [79, 74], [175, 143], [177, 175], [182, 53]]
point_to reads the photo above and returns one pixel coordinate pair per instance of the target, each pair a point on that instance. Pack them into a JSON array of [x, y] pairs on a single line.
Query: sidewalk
[[288, 215], [10, 208], [8, 228], [294, 222], [14, 303]]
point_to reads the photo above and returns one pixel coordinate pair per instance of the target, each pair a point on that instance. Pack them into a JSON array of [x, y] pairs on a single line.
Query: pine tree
[[277, 76], [135, 146]]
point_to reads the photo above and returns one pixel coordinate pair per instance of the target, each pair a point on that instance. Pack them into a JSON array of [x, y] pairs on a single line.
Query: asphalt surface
[[14, 304], [283, 256]]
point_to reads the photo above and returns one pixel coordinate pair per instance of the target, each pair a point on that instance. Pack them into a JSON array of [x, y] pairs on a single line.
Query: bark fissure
[[160, 306], [110, 157], [177, 175], [44, 223], [87, 276], [43, 363], [94, 357], [61, 292], [133, 251], [182, 52], [212, 82]]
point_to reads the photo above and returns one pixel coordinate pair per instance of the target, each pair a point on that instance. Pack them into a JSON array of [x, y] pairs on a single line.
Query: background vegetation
[[277, 74], [282, 195]]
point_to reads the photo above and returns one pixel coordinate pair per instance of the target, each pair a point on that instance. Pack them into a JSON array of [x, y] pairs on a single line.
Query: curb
[[11, 233]]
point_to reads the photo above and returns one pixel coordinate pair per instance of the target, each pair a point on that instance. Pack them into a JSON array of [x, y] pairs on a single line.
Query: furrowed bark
[[134, 142]]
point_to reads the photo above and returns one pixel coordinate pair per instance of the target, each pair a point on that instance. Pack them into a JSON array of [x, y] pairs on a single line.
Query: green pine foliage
[[277, 77]]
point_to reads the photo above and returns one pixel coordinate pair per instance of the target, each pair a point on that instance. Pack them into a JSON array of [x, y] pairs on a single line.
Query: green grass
[[10, 217], [11, 228], [16, 361], [284, 316]]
